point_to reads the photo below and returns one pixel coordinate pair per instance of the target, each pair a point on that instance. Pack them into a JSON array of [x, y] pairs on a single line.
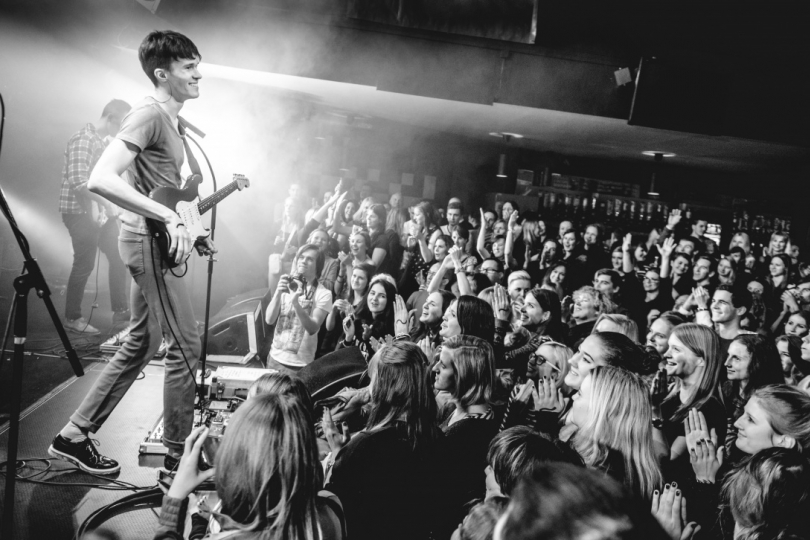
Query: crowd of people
[[523, 381]]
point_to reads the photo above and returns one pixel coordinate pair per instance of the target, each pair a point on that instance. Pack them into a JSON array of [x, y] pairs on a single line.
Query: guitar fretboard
[[208, 203]]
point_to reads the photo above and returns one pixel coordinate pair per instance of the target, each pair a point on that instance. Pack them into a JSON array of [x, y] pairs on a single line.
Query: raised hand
[[668, 247], [427, 347], [400, 316], [483, 220], [669, 508], [513, 219], [627, 241], [789, 302], [674, 219], [346, 259], [455, 255]]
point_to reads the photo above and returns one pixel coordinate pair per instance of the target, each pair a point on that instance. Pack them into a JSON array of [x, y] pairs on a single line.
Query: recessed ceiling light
[[502, 134], [653, 153]]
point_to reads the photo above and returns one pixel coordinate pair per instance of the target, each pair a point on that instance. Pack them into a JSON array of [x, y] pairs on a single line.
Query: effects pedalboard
[[226, 389]]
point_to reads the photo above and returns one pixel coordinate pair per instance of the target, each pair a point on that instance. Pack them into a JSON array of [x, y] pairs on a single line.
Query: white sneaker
[[81, 326]]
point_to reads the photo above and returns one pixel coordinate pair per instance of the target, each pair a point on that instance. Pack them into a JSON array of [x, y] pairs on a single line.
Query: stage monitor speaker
[[328, 374], [679, 97], [236, 335]]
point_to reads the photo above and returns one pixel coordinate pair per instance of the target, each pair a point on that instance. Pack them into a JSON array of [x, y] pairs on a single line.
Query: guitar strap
[[192, 161]]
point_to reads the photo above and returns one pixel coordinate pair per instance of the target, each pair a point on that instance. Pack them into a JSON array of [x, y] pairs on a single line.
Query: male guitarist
[[151, 140], [86, 233]]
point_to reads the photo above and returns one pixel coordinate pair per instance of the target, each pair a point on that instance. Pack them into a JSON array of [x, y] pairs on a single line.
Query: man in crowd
[[88, 233], [298, 309], [729, 305], [493, 269], [699, 233]]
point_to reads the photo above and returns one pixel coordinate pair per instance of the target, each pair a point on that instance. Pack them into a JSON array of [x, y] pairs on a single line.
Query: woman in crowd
[[419, 256], [725, 272], [375, 318], [343, 220], [431, 318], [682, 281], [616, 322], [752, 363], [613, 420], [588, 303], [384, 475], [508, 208], [555, 279], [693, 358], [790, 357], [328, 276], [466, 370], [268, 477], [540, 318], [797, 323], [661, 328], [359, 247], [528, 245], [347, 303]]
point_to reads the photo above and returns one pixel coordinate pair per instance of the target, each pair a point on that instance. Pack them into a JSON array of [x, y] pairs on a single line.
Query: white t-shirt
[[292, 345]]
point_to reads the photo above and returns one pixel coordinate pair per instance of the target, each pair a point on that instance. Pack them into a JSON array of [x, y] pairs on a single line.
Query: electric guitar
[[183, 202]]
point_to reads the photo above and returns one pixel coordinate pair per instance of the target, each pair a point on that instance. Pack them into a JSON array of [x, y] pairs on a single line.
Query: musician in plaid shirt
[[89, 233]]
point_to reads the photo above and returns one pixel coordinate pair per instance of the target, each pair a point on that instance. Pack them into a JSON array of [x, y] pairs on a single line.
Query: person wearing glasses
[[493, 269]]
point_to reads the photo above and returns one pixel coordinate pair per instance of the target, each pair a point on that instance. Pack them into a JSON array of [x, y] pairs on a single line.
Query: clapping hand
[[696, 429], [706, 459], [669, 509], [659, 388], [547, 397], [377, 344], [348, 327], [400, 316], [701, 296], [500, 302], [789, 302], [428, 348], [455, 255], [513, 220], [337, 439], [627, 241]]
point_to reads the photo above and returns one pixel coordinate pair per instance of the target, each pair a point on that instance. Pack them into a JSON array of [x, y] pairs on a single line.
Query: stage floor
[[56, 511]]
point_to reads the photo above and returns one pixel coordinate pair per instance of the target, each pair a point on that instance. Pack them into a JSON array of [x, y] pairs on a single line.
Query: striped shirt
[[82, 153]]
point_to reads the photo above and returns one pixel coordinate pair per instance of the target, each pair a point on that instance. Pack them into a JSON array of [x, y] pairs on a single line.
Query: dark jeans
[[87, 237], [161, 309]]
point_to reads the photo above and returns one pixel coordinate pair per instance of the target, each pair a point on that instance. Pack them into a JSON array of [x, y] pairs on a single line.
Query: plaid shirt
[[82, 153]]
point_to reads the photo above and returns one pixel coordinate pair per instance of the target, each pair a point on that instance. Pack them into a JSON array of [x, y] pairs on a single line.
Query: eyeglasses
[[489, 270], [651, 280], [539, 361]]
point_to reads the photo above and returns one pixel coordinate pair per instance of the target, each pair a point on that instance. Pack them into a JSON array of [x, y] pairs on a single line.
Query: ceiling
[[544, 130]]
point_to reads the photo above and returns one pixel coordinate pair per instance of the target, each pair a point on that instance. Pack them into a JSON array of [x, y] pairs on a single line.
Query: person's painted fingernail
[[655, 492], [678, 493], [674, 485]]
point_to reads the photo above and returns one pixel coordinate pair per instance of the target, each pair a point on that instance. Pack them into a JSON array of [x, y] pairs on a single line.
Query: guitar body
[[182, 202]]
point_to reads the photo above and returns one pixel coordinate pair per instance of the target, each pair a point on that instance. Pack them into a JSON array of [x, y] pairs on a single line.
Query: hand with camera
[[283, 284], [188, 475]]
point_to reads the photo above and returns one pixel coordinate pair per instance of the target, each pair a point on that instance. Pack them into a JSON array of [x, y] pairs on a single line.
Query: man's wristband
[[702, 309]]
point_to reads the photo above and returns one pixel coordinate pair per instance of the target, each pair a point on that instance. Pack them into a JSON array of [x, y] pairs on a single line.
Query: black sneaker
[[84, 455]]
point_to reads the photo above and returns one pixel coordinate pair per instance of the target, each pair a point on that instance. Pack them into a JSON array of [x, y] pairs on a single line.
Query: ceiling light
[[656, 153], [505, 134], [502, 166]]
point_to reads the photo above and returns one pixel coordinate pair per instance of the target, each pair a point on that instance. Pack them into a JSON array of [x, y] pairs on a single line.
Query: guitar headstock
[[241, 180]]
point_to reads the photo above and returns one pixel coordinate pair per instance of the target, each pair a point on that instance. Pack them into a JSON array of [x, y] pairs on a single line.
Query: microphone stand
[[211, 261], [31, 278]]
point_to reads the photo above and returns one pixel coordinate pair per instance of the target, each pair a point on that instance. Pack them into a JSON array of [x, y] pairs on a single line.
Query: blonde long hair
[[620, 420]]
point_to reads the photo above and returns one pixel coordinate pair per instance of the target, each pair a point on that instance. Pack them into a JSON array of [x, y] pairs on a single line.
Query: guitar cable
[[166, 315]]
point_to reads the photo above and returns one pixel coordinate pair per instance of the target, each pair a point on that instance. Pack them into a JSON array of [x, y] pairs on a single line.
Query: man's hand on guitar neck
[[180, 239]]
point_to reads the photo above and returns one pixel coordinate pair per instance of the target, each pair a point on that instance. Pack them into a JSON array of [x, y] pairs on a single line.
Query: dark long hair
[[422, 330], [401, 392], [765, 367], [369, 269], [549, 301], [383, 324], [476, 318]]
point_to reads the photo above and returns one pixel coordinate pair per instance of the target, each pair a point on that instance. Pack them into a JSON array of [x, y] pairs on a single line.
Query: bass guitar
[[183, 202]]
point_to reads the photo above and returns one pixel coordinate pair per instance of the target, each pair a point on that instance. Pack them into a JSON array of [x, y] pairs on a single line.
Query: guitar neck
[[209, 202]]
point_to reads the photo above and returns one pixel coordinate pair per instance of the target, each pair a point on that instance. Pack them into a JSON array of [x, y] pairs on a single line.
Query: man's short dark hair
[[614, 276], [115, 107], [712, 262], [740, 296], [690, 239], [498, 263], [161, 47], [454, 206]]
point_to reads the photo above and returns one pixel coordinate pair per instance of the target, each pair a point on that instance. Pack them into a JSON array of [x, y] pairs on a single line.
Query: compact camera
[[293, 278]]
